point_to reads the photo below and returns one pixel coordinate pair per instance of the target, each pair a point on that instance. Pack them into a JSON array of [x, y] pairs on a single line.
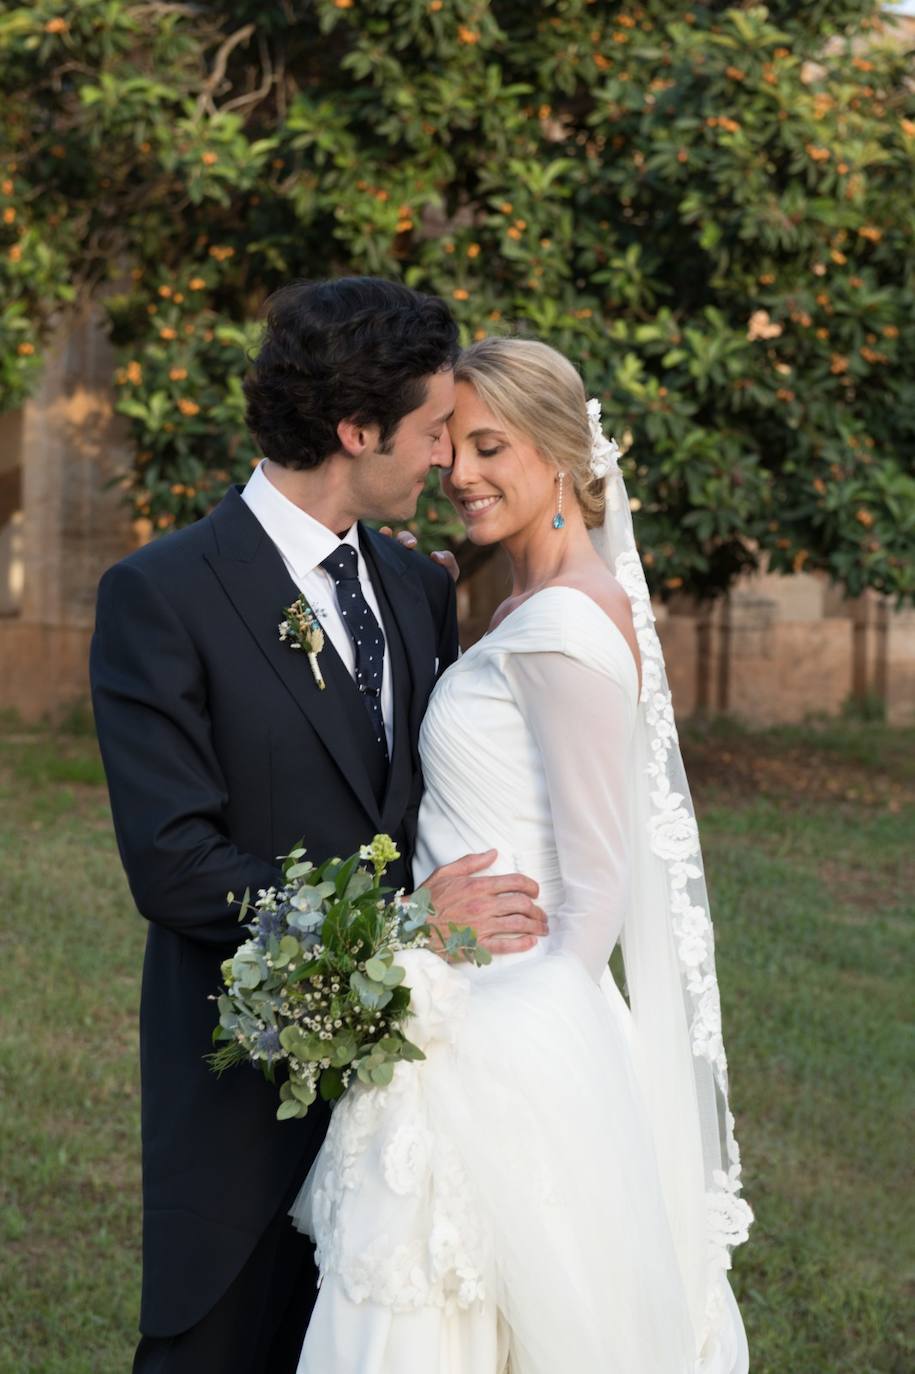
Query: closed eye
[[489, 452]]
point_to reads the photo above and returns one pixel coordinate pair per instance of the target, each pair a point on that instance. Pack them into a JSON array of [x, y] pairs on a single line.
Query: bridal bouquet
[[316, 989]]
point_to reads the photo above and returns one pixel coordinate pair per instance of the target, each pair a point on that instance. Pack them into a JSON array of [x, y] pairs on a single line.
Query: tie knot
[[342, 564]]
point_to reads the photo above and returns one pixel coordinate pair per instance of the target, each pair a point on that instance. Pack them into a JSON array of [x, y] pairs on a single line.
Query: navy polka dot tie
[[365, 632]]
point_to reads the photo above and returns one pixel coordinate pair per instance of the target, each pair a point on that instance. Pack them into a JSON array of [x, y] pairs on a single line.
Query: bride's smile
[[476, 505]]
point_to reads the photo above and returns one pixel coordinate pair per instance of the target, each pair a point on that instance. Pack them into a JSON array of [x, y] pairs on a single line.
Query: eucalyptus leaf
[[302, 1092], [331, 1085], [306, 1046], [289, 949], [306, 899], [248, 975], [290, 1108], [370, 994], [291, 860], [382, 1074], [419, 903], [292, 1040], [343, 1049]]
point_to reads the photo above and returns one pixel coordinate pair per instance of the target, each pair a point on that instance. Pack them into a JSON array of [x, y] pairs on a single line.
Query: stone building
[[776, 650], [61, 523]]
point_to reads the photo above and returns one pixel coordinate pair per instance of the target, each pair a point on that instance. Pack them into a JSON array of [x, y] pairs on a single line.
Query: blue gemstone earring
[[559, 519]]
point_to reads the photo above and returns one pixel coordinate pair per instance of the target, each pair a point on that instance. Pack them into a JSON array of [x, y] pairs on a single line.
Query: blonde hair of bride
[[537, 392]]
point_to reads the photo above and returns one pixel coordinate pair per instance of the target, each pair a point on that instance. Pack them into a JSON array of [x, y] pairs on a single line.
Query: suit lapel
[[254, 577]]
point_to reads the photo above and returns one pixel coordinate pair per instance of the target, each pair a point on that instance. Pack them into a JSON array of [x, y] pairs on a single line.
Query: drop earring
[[559, 519]]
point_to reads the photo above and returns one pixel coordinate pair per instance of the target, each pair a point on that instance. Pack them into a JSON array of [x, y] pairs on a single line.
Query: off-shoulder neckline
[[578, 591]]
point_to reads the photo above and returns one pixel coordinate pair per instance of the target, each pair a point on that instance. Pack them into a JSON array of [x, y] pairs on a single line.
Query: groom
[[221, 751]]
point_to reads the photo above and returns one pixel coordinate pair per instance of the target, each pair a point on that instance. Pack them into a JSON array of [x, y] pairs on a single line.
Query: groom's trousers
[[258, 1325]]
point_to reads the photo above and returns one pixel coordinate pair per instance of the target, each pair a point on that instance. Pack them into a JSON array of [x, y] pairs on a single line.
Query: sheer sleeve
[[582, 721]]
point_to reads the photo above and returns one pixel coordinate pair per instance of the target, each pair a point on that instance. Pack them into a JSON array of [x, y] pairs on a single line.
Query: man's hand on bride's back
[[499, 907], [409, 541]]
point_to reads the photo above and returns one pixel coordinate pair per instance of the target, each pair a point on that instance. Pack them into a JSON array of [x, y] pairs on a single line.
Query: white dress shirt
[[303, 542]]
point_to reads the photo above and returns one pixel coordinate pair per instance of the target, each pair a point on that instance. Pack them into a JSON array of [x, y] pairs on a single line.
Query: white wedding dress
[[501, 1205]]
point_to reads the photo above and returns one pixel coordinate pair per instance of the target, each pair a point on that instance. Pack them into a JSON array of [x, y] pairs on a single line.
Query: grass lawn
[[809, 837]]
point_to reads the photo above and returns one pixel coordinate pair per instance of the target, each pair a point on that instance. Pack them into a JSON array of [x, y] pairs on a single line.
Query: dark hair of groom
[[356, 348]]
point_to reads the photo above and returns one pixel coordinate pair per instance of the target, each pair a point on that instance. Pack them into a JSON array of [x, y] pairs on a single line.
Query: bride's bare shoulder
[[602, 587], [504, 610]]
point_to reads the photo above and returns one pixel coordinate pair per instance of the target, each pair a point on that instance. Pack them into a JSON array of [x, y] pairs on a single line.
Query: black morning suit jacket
[[220, 752]]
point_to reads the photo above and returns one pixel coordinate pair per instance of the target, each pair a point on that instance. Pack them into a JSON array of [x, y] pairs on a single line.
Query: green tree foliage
[[708, 208]]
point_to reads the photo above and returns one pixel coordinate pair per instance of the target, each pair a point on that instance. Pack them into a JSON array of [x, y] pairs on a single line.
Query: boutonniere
[[301, 629]]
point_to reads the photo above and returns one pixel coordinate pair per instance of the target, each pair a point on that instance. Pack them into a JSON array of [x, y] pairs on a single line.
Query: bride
[[556, 1187]]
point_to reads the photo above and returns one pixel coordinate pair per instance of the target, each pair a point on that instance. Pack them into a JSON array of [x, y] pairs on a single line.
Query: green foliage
[[315, 988], [34, 274], [707, 208]]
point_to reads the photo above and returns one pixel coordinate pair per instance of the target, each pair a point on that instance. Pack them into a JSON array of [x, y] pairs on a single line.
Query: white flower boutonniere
[[302, 630]]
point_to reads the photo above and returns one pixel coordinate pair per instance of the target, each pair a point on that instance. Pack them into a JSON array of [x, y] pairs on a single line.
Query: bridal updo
[[537, 392]]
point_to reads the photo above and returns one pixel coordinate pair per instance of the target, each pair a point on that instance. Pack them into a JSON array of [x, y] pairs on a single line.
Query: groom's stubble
[[384, 482]]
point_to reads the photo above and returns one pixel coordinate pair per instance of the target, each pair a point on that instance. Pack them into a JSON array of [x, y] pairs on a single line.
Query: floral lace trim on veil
[[674, 839]]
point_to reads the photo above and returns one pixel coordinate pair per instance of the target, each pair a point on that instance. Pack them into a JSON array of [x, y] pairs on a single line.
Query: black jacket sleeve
[[168, 795]]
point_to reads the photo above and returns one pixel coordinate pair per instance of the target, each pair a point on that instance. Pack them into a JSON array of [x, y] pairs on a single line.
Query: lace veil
[[669, 953]]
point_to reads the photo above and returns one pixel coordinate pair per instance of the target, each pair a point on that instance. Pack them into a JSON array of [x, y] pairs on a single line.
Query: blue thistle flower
[[268, 1043], [271, 923]]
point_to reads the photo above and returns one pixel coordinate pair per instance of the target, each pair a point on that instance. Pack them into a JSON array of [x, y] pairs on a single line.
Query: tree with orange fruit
[[708, 208]]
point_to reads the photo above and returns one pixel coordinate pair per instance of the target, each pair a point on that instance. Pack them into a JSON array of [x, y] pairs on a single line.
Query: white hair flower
[[605, 453]]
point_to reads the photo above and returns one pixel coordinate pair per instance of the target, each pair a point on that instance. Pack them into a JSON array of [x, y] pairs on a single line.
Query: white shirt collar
[[302, 540]]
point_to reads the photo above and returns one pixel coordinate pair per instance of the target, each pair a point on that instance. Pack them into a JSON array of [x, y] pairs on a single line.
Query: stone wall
[[794, 646], [11, 549], [900, 668], [61, 521]]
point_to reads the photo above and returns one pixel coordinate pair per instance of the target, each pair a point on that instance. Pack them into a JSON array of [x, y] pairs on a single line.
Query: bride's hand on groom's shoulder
[[443, 556], [499, 907]]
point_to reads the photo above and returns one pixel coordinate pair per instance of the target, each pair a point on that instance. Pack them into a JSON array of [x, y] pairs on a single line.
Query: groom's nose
[[443, 453]]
